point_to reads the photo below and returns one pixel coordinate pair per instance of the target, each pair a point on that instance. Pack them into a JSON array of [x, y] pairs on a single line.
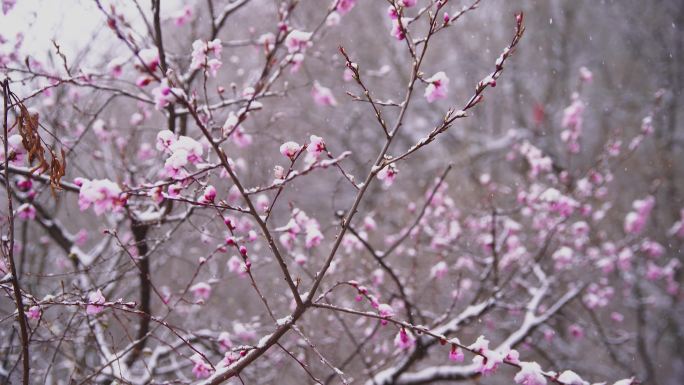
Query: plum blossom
[[404, 340], [200, 55], [201, 290], [316, 146], [208, 195], [323, 96], [95, 302], [398, 28], [563, 257], [298, 41], [224, 341], [344, 6], [26, 211], [103, 194], [388, 174], [164, 94], [34, 312], [536, 159], [586, 75], [182, 150], [569, 377], [439, 270], [572, 124], [530, 374], [678, 227], [635, 221], [183, 16], [7, 6], [456, 354], [201, 368], [407, 3], [17, 153], [149, 57], [290, 149], [437, 87], [235, 265]]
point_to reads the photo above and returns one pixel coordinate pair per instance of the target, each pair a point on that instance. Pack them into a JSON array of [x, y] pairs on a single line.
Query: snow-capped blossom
[[344, 6], [563, 257], [456, 354], [407, 3], [635, 221], [150, 57], [437, 87], [102, 194], [404, 339], [26, 211], [34, 312], [17, 153], [115, 67], [290, 149], [488, 361], [200, 55], [298, 41], [300, 259], [95, 302], [201, 368], [439, 270], [333, 19], [323, 96], [182, 16], [164, 94], [480, 345], [385, 311], [296, 59], [224, 341], [316, 146], [392, 13], [208, 195], [388, 174], [647, 125], [569, 377], [244, 332], [626, 381], [530, 374], [201, 290], [182, 150], [262, 202], [313, 237], [586, 75], [267, 40]]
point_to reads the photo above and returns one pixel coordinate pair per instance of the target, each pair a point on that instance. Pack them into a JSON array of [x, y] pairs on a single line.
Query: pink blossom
[[439, 270], [678, 228], [209, 194], [323, 96], [586, 75], [344, 6], [563, 257], [290, 149], [388, 174], [385, 311], [164, 94], [488, 361], [635, 221], [407, 3], [298, 41], [150, 57], [404, 340], [437, 87], [235, 265], [201, 290], [313, 237], [530, 374], [398, 28], [103, 194], [316, 146], [224, 341], [201, 368], [17, 153], [183, 16], [95, 302], [34, 312], [576, 331], [456, 354], [200, 55], [26, 211], [7, 5]]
